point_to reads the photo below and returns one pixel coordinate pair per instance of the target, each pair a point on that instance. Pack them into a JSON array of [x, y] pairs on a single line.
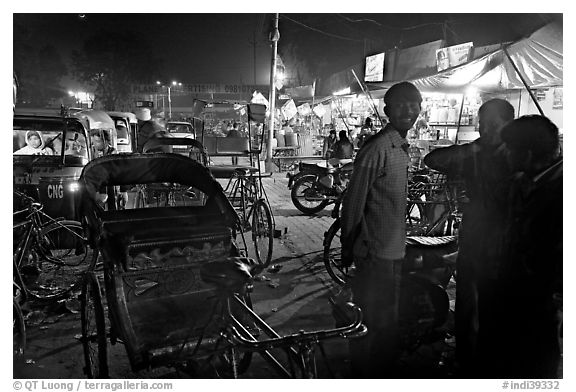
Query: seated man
[[343, 150]]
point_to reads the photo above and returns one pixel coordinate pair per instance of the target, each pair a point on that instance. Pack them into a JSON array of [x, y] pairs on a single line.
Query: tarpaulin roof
[[539, 58]]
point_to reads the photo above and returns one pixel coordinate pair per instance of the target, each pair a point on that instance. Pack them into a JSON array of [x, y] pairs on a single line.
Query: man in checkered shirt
[[374, 232]]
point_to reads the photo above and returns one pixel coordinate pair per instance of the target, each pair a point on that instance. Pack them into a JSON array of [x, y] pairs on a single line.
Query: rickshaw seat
[[232, 273]]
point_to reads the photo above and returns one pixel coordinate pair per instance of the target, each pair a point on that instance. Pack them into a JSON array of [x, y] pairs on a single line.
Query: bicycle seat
[[232, 273]]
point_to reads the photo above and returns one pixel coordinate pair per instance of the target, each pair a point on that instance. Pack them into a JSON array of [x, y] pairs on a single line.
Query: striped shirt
[[375, 200]]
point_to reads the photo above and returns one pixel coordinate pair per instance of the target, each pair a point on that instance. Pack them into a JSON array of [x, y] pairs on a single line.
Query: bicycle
[[248, 197], [50, 254], [433, 203]]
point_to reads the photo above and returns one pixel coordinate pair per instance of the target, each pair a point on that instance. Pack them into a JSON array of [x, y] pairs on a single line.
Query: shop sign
[[453, 55], [199, 88], [374, 68]]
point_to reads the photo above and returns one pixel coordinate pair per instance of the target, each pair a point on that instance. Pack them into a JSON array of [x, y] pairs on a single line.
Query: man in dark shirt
[[522, 340], [482, 165]]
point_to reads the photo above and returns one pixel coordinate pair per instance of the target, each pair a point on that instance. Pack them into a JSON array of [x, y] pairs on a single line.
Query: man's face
[[403, 114], [34, 141]]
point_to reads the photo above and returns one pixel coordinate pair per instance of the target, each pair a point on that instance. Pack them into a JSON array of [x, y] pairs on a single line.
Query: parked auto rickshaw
[[126, 130], [50, 148]]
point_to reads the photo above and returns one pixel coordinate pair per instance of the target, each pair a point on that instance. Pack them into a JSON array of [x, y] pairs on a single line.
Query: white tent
[[538, 58]]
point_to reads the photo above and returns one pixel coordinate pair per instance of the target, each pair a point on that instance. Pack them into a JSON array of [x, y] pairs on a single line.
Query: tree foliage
[[111, 62]]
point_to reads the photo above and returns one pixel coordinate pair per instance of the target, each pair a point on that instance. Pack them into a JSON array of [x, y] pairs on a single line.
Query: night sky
[[219, 48]]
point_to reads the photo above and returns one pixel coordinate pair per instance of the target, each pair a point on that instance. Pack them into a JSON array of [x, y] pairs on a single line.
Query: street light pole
[[169, 105], [274, 37], [174, 83]]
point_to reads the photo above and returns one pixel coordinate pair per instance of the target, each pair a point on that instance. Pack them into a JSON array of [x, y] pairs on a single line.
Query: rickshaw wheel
[[232, 356], [262, 232], [93, 328]]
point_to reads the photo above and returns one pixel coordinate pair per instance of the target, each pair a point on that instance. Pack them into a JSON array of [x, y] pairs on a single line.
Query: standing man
[[374, 232], [328, 145], [523, 339], [483, 167]]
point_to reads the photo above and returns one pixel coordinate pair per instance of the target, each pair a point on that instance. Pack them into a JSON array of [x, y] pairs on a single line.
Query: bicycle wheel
[[18, 331], [63, 256], [301, 193], [333, 254], [262, 232], [93, 329]]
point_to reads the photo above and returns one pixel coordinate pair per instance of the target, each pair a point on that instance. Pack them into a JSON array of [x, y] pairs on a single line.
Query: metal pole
[[367, 93], [524, 82], [169, 105], [459, 119], [274, 37]]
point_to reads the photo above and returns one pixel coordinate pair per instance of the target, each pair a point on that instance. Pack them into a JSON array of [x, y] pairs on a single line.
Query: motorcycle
[[317, 185]]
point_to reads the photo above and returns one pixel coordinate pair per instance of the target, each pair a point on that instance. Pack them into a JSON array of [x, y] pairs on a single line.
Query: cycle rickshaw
[[243, 189], [174, 287]]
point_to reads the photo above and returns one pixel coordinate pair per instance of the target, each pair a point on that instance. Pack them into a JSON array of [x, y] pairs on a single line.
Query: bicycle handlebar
[[356, 328]]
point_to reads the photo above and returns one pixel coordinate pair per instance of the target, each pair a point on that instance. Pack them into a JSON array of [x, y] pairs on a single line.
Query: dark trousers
[[376, 289]]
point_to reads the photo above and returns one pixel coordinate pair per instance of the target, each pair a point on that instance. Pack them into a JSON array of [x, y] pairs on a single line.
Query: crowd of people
[[509, 266]]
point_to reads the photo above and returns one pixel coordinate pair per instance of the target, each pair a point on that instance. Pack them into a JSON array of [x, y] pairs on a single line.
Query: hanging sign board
[[319, 110], [453, 55], [374, 68], [289, 109]]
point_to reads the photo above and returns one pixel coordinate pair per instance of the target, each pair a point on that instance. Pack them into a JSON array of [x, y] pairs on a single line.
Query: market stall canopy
[[539, 58]]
